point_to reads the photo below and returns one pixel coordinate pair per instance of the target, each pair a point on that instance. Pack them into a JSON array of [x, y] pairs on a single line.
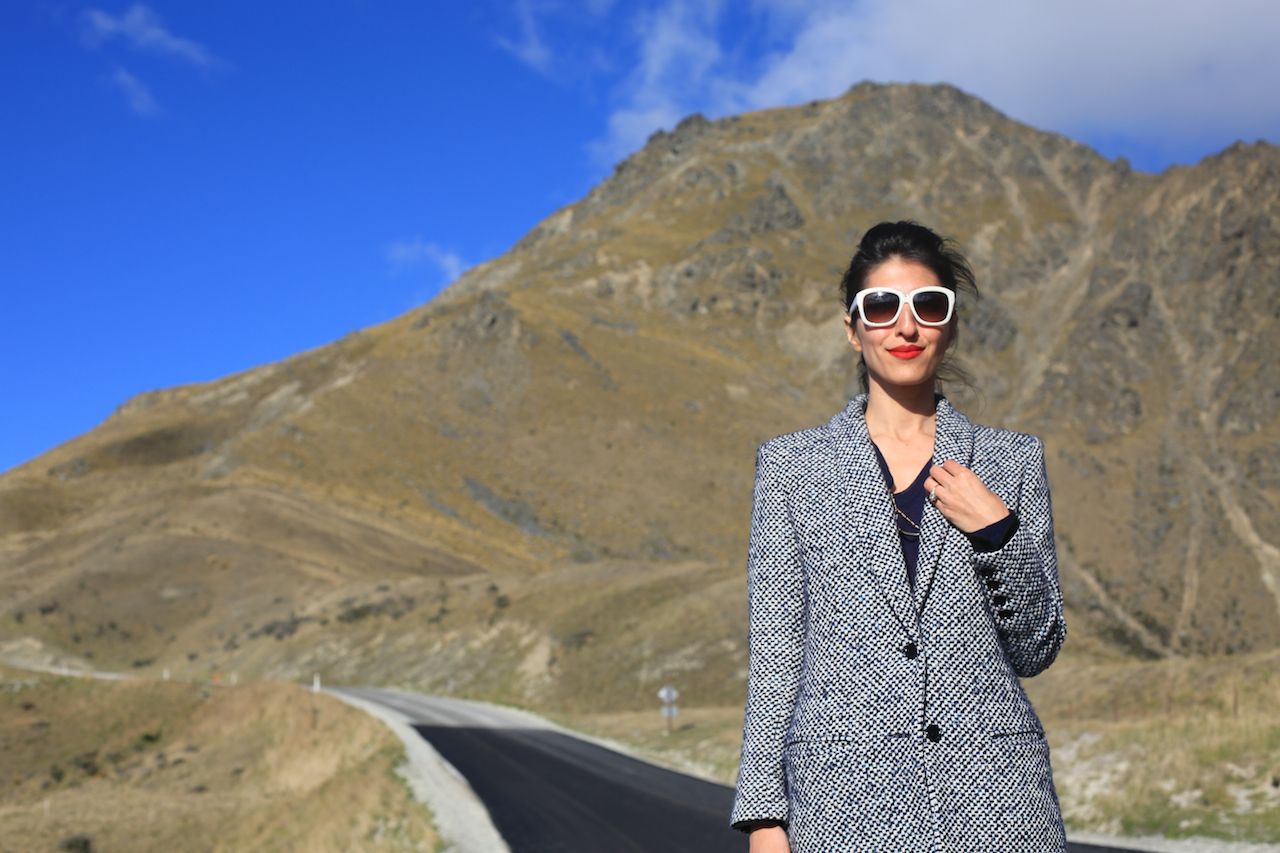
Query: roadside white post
[[166, 673], [315, 683], [668, 694], [234, 678]]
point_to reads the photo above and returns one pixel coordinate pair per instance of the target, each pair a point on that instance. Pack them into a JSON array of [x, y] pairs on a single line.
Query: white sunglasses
[[881, 306]]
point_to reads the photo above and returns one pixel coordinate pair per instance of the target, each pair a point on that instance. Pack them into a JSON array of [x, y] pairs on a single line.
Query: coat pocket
[[820, 780], [1020, 806], [1020, 753], [1017, 738], [855, 796]]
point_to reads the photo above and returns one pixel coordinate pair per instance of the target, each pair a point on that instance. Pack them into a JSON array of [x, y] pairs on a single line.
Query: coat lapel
[[952, 439], [866, 497]]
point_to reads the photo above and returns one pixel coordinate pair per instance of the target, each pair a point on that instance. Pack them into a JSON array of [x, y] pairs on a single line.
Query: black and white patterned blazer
[[879, 719]]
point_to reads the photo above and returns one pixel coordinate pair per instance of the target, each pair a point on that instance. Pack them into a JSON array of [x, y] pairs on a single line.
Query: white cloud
[[1136, 67], [404, 255], [1177, 76], [529, 47], [143, 29], [137, 94], [680, 65]]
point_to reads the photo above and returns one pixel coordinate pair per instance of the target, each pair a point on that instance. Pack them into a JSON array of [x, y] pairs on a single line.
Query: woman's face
[[905, 353]]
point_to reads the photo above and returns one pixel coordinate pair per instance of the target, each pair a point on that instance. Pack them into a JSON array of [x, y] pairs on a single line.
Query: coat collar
[[863, 486]]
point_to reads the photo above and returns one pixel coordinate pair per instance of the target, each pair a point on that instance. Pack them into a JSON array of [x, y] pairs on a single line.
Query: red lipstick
[[906, 351]]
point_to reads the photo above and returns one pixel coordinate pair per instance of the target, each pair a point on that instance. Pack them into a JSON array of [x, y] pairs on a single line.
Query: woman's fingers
[[939, 478], [953, 476], [962, 497]]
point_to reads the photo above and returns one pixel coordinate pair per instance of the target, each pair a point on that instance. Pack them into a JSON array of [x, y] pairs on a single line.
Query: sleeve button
[[910, 651]]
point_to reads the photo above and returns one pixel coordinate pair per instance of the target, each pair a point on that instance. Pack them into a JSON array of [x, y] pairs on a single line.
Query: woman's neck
[[901, 412]]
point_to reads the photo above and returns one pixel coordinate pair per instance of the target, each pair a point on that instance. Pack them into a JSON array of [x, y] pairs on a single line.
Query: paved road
[[550, 792]]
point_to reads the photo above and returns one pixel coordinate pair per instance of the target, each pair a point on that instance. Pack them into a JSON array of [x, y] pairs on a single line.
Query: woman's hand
[[769, 839], [962, 498]]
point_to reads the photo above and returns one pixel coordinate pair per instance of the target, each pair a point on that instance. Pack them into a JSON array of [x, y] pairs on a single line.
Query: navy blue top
[[910, 502]]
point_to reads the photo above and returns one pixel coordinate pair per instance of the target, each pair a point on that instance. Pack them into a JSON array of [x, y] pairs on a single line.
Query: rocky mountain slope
[[536, 487]]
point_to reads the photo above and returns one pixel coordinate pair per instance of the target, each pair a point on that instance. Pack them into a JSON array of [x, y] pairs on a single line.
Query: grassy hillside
[[536, 488], [162, 766]]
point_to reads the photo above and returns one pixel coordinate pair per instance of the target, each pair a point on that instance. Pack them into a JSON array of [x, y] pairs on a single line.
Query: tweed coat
[[885, 719]]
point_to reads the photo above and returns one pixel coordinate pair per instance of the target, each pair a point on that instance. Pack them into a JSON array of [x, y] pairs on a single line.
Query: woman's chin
[[905, 376]]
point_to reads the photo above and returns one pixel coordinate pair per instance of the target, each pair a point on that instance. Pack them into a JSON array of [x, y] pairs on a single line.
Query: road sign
[[668, 694]]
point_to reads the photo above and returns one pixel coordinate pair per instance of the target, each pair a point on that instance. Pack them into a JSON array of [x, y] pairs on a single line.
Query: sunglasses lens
[[931, 307], [879, 306]]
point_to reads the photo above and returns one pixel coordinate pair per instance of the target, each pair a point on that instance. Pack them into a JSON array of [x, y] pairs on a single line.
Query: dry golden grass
[[145, 765], [1175, 748], [1181, 747]]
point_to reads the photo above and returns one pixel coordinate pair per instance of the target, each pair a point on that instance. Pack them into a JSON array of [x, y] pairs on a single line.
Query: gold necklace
[[907, 534]]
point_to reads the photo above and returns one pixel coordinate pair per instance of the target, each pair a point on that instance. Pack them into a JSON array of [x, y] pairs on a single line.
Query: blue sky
[[189, 189]]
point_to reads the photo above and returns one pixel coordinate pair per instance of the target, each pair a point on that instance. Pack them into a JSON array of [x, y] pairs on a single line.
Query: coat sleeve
[[776, 620], [1020, 580]]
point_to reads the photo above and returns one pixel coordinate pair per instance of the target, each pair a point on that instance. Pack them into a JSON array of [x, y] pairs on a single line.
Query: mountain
[[536, 487]]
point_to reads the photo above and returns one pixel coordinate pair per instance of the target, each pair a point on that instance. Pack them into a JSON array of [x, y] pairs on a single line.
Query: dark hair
[[910, 241]]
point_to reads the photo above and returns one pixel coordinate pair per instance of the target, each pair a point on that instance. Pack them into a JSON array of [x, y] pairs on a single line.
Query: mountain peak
[[574, 422]]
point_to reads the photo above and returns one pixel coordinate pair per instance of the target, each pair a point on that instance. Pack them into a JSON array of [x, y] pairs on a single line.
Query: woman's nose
[[907, 321]]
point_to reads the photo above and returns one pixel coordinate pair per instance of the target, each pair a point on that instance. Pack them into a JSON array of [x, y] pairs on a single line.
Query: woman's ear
[[851, 329]]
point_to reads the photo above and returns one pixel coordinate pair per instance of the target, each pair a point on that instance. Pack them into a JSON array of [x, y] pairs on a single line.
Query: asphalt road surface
[[550, 792]]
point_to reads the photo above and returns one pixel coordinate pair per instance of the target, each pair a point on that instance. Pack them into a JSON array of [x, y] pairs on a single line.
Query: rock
[[76, 844]]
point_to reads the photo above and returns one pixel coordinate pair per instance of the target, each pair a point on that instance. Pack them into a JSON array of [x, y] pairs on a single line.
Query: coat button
[[999, 600], [986, 571], [910, 651], [993, 584], [1005, 614], [933, 733]]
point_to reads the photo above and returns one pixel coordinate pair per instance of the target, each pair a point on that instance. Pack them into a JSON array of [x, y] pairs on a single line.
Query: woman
[[902, 579]]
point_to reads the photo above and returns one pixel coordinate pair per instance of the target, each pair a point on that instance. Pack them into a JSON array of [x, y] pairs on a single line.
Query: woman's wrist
[[994, 536], [769, 839]]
